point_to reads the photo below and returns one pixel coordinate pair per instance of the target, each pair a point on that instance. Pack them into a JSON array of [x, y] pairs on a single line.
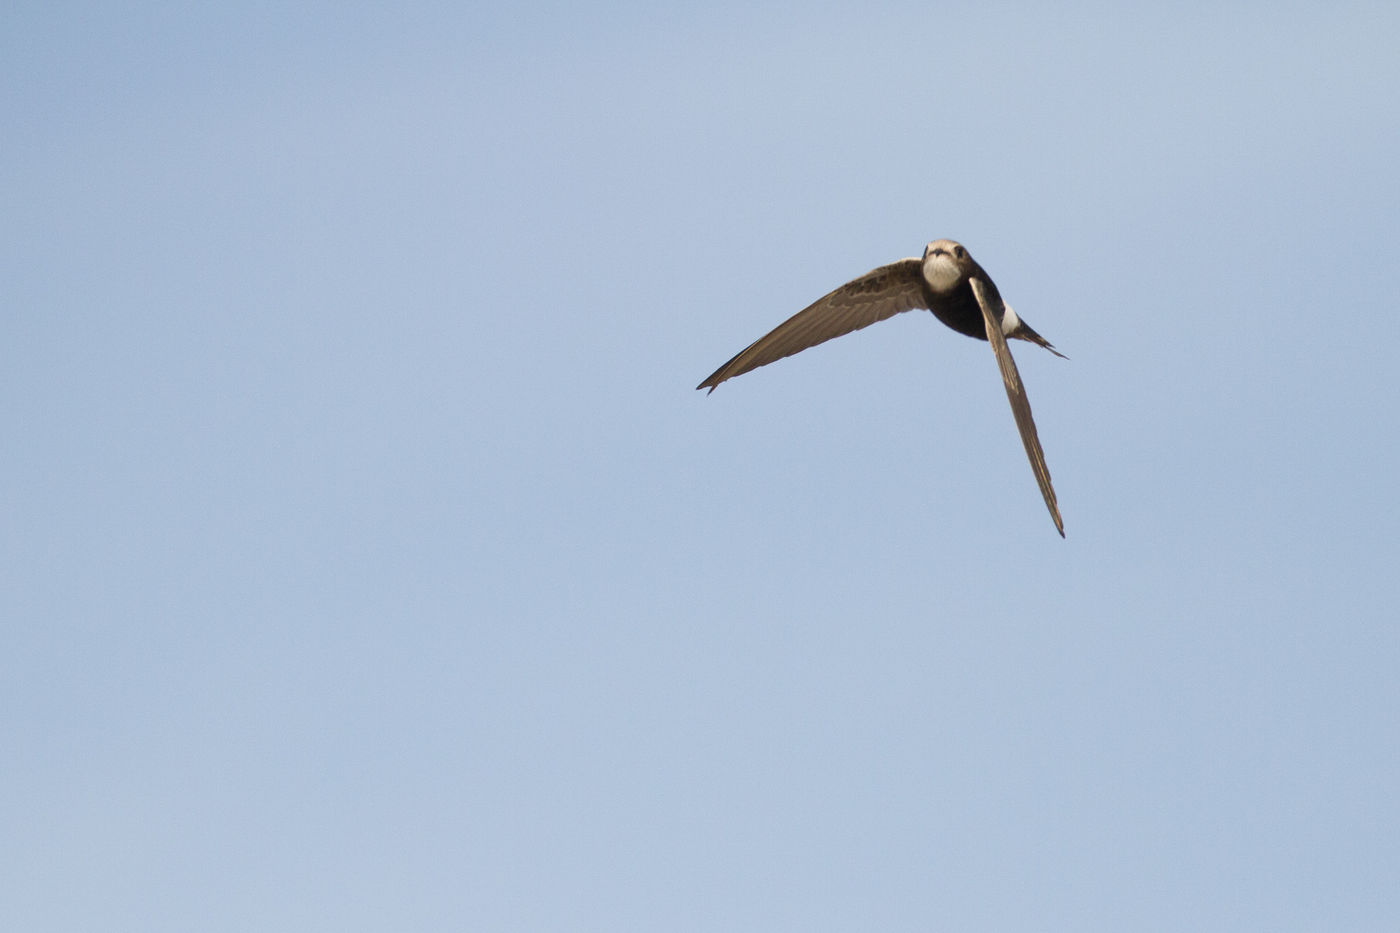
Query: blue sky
[[370, 562]]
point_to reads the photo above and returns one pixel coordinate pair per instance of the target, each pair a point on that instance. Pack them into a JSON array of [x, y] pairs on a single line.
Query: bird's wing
[[880, 293], [1020, 405]]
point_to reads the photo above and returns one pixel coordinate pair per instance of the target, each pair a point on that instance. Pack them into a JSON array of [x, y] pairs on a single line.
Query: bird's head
[[945, 265]]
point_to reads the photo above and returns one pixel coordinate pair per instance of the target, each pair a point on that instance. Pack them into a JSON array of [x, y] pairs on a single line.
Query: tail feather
[[1027, 333]]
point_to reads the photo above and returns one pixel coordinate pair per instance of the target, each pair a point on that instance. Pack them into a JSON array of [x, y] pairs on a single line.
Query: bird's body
[[946, 281]]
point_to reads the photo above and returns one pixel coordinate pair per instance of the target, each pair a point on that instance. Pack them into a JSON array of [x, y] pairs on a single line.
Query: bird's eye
[[962, 253]]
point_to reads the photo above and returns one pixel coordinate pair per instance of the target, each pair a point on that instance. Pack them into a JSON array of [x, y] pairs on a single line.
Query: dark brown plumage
[[946, 281]]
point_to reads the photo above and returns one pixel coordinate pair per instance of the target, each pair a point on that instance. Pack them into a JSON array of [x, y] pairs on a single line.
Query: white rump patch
[[1010, 323]]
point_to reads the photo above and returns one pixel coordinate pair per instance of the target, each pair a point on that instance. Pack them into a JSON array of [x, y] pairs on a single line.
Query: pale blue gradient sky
[[369, 561]]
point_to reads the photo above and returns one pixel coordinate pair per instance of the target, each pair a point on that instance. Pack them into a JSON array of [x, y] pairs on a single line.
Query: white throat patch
[[941, 272]]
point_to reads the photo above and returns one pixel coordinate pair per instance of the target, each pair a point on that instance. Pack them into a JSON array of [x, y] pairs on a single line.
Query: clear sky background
[[371, 563]]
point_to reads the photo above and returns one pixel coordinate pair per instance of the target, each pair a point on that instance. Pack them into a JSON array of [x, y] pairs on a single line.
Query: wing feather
[[879, 294], [1020, 405]]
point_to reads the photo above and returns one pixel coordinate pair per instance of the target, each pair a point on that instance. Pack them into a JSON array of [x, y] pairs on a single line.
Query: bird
[[946, 281]]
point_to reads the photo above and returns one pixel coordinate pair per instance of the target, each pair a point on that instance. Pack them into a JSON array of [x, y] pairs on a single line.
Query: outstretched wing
[[1020, 405], [879, 294]]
